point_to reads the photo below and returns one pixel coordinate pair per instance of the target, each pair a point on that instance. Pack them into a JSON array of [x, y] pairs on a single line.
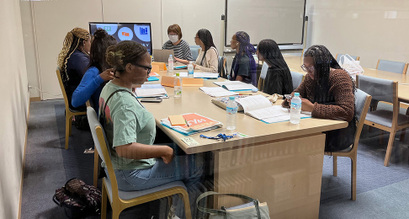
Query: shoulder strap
[[102, 114]]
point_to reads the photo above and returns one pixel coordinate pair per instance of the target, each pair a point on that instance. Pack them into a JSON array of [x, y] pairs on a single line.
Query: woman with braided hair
[[98, 72], [73, 60], [328, 93], [278, 79], [131, 129], [208, 58], [244, 66]]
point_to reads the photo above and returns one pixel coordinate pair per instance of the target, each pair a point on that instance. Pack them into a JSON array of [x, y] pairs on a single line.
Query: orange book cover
[[197, 122]]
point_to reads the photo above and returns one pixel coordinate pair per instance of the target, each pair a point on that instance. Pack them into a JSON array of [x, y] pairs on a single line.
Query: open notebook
[[261, 108]]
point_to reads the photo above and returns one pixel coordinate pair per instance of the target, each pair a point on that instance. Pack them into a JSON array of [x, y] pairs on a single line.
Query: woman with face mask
[[180, 47]]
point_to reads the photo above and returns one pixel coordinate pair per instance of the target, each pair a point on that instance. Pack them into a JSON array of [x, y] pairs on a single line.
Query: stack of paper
[[206, 75], [151, 90], [261, 108], [217, 91], [235, 85], [195, 123]]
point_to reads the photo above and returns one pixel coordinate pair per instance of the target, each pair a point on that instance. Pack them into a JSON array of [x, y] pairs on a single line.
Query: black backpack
[[78, 199]]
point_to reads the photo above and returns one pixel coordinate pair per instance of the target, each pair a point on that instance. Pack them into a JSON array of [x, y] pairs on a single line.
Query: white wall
[[371, 29], [14, 107]]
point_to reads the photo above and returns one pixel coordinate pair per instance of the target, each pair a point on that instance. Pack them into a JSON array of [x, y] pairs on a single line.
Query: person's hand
[[179, 60], [167, 155], [107, 74], [306, 105]]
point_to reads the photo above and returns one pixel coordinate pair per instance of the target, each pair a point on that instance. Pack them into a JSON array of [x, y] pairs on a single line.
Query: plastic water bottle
[[170, 64], [231, 110], [177, 89], [190, 69], [295, 110]]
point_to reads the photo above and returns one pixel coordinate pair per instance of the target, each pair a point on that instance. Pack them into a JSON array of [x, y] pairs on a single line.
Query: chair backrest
[[64, 93], [222, 68], [379, 89], [98, 135], [297, 79], [264, 69], [356, 58], [392, 66], [362, 102], [195, 51]]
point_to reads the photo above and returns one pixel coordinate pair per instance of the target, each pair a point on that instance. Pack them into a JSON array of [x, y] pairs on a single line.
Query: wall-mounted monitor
[[138, 32]]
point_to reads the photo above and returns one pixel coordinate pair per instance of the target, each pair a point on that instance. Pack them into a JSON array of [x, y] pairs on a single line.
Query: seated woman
[[180, 47], [208, 58], [73, 61], [278, 79], [328, 93], [98, 72], [243, 67], [130, 128]]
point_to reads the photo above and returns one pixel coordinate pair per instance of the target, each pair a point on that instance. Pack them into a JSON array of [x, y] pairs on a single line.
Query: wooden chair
[[263, 74], [222, 68], [119, 199], [387, 120], [392, 66], [338, 57], [69, 113], [362, 101]]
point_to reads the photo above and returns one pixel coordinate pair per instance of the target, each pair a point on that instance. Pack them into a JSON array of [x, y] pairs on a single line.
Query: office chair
[[338, 57], [119, 199], [387, 120], [263, 74], [194, 49], [297, 79], [222, 68], [69, 113], [362, 101]]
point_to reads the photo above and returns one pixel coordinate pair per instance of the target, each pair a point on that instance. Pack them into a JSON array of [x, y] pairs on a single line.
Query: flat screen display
[[138, 32]]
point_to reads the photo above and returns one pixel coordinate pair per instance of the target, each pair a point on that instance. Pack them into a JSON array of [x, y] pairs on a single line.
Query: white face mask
[[173, 38]]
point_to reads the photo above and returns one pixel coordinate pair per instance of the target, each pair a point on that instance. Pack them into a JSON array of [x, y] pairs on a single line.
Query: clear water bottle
[[170, 64], [190, 68], [231, 110], [177, 89], [295, 110]]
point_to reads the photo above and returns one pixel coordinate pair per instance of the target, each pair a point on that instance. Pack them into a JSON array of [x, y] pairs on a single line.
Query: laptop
[[162, 55]]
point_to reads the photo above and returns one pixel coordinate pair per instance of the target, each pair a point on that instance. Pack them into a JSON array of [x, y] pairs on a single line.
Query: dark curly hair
[[101, 41], [119, 55]]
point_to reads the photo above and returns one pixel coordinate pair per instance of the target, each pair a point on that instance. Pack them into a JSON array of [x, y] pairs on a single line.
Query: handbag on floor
[[78, 199], [252, 209]]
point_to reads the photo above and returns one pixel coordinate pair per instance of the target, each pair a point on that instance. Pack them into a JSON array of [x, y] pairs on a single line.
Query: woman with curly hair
[[73, 60]]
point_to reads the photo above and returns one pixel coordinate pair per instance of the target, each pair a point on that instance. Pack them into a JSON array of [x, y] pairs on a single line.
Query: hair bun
[[100, 33]]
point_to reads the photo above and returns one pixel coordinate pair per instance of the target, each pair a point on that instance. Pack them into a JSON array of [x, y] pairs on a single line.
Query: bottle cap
[[177, 74], [296, 94], [254, 90], [232, 98]]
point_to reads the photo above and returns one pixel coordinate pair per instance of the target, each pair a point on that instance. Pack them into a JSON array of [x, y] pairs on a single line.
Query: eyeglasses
[[305, 68], [147, 68]]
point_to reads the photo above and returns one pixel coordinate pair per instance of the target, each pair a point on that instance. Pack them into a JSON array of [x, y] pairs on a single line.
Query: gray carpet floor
[[382, 192]]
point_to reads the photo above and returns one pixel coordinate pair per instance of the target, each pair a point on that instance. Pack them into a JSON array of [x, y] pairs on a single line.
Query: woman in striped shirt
[[180, 47]]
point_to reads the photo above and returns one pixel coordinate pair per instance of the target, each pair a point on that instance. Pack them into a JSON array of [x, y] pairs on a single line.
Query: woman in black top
[[278, 79]]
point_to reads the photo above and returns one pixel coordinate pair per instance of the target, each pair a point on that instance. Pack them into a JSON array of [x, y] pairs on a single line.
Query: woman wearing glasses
[[208, 58], [130, 128], [278, 79], [328, 93]]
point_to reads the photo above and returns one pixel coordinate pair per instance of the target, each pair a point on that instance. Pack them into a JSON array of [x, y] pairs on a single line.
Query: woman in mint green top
[[130, 129]]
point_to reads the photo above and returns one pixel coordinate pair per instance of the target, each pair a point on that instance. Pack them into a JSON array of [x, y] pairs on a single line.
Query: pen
[[187, 123]]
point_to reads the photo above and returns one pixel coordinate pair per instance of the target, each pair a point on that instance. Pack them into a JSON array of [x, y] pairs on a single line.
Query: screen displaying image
[[138, 32]]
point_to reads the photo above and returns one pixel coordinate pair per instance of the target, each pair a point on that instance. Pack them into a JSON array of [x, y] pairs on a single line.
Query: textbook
[[261, 108], [151, 90], [236, 85], [195, 123]]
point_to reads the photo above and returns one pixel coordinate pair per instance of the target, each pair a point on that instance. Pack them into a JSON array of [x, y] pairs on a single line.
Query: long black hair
[[206, 37], [268, 48], [102, 40], [323, 62], [245, 49]]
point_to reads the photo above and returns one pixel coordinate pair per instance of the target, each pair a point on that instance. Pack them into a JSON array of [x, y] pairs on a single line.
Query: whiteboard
[[280, 20]]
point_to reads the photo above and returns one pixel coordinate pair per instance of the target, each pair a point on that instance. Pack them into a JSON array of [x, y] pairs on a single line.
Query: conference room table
[[279, 163], [295, 62]]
